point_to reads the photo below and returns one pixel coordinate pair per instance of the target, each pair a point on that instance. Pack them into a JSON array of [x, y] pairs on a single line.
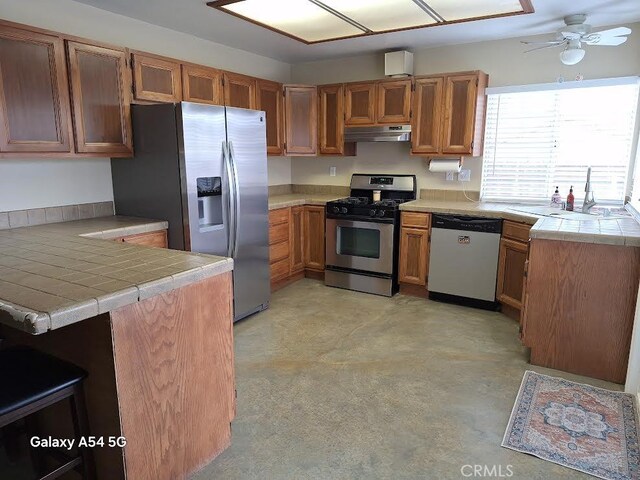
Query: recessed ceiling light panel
[[313, 21]]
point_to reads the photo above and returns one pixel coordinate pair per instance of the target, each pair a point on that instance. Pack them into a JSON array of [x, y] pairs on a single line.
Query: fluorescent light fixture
[[313, 21]]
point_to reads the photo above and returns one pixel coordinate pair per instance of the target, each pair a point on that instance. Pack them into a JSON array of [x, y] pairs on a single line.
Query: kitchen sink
[[546, 211]]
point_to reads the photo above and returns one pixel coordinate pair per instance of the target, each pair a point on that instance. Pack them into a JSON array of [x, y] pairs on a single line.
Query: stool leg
[[81, 427]]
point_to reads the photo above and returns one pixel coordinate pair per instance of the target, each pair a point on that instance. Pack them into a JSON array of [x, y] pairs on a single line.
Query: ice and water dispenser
[[209, 203]]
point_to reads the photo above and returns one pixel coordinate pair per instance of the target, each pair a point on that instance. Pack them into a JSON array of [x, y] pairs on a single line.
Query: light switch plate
[[449, 176], [332, 171], [464, 175]]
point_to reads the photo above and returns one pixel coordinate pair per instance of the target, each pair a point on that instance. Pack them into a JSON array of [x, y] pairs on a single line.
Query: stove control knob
[[372, 213], [343, 210], [381, 213], [336, 210]]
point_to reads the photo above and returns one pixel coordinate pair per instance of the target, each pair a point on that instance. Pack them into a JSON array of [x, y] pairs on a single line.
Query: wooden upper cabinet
[[156, 79], [300, 111], [331, 119], [239, 91], [428, 102], [360, 103], [100, 91], [464, 107], [202, 85], [34, 95], [269, 100], [394, 101], [448, 116]]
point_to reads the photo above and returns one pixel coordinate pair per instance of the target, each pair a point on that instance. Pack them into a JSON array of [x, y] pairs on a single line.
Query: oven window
[[358, 242]]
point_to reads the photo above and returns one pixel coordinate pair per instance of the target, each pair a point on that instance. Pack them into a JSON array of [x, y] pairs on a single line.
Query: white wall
[[503, 60], [279, 170], [22, 182]]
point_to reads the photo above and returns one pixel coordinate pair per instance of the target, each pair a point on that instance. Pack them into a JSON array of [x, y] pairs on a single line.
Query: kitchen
[[303, 185]]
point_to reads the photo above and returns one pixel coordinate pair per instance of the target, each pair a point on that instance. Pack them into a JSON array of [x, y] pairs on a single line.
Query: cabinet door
[[314, 238], [331, 119], [511, 265], [34, 93], [301, 117], [100, 91], [156, 79], [460, 111], [414, 256], [394, 101], [202, 85], [428, 99], [239, 91], [269, 100], [151, 239], [296, 239], [360, 104]]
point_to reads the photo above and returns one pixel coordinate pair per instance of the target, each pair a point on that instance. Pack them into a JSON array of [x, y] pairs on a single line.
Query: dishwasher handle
[[467, 223]]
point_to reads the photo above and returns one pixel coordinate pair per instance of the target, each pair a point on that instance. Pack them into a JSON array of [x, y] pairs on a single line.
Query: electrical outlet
[[449, 176], [464, 175], [332, 171]]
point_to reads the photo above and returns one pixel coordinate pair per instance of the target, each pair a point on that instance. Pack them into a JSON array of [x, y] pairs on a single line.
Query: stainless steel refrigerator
[[203, 168]]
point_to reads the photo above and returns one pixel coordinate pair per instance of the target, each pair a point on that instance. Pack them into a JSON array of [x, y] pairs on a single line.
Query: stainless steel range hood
[[391, 133]]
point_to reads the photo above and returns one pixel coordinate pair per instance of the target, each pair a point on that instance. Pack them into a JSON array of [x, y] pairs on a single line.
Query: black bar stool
[[30, 381]]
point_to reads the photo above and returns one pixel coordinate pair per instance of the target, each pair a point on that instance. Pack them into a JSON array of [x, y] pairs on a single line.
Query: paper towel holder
[[445, 165]]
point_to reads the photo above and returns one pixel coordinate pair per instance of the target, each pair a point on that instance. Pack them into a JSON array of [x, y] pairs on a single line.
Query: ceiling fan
[[576, 33]]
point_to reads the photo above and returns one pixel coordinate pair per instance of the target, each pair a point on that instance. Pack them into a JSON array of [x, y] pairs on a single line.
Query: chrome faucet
[[589, 201]]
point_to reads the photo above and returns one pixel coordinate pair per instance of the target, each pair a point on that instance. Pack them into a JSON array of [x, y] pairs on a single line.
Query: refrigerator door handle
[[231, 198], [236, 199]]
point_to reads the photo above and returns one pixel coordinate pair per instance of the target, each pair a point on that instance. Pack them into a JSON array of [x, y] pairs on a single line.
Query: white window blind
[[537, 140]]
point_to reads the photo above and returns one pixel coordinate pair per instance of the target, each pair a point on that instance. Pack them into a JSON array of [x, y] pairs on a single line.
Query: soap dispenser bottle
[[570, 200], [556, 199]]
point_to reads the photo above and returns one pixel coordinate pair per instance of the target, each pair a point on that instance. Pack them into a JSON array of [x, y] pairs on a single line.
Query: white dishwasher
[[463, 263]]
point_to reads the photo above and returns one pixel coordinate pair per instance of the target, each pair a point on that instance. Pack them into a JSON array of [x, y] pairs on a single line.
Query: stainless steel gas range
[[363, 232]]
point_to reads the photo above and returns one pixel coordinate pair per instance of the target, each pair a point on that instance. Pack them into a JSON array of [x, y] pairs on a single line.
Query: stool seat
[[27, 375]]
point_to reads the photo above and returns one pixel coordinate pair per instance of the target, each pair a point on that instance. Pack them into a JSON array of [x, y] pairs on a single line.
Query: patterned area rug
[[579, 426]]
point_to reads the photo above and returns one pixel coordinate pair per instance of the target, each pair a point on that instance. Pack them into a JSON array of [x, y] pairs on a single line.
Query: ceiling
[[196, 18]]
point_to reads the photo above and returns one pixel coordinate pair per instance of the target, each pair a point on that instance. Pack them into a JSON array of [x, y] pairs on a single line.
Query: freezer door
[[246, 135], [204, 178]]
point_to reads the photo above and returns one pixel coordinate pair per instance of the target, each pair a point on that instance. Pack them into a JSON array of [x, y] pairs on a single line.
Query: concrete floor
[[334, 384]]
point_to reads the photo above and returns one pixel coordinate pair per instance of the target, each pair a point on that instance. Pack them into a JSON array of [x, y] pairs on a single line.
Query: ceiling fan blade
[[544, 46], [613, 32], [552, 43], [606, 41]]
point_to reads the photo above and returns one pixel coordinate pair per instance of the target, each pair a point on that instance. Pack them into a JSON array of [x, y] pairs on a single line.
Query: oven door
[[360, 245]]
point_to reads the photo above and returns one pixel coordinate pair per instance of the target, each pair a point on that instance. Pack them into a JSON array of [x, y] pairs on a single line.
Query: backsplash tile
[[450, 195], [65, 213], [279, 190], [322, 189]]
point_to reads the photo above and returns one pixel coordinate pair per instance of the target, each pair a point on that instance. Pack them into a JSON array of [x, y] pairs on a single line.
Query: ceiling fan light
[[571, 56]]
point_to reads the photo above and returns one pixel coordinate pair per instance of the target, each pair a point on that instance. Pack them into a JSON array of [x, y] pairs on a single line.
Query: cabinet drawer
[[416, 220], [278, 233], [280, 215], [516, 231], [278, 252], [280, 269]]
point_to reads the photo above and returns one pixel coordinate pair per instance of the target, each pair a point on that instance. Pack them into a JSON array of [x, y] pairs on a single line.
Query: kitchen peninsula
[[151, 326]]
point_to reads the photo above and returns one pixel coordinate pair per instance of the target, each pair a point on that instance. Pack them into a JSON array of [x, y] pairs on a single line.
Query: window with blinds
[[538, 139]]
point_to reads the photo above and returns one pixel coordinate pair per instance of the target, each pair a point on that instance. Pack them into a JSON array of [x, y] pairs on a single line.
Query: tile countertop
[[295, 199], [57, 274], [609, 231]]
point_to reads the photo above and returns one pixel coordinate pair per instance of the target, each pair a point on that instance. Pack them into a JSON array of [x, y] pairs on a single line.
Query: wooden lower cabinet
[[314, 237], [514, 246], [580, 305], [296, 239], [413, 263], [151, 239], [296, 243]]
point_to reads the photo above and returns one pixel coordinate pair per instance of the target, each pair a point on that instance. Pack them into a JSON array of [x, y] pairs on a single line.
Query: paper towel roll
[[444, 165]]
